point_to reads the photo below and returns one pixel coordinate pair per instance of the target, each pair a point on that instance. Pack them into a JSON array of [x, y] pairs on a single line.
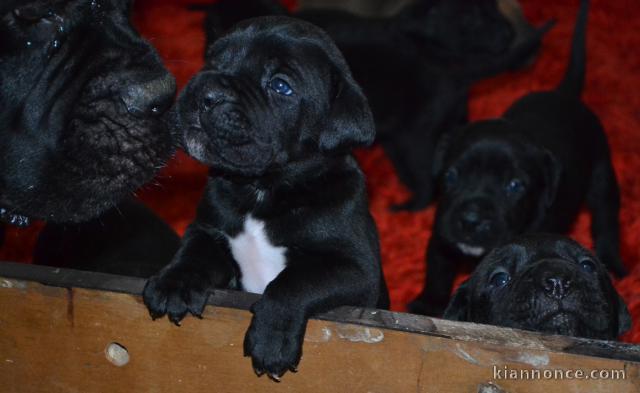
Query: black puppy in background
[[81, 102], [415, 68], [275, 112], [529, 171], [545, 283]]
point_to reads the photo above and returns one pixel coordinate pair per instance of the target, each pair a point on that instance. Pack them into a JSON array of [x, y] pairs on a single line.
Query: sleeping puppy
[[415, 68], [275, 113], [80, 105], [545, 283], [529, 171]]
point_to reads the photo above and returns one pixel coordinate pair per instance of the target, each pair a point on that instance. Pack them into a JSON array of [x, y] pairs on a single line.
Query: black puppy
[[80, 103], [529, 171], [415, 68], [546, 283], [275, 113]]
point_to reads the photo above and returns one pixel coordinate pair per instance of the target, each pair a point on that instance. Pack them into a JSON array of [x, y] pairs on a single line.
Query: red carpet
[[612, 85]]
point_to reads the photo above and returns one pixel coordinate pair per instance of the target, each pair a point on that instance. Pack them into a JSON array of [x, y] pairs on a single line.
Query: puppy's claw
[[275, 377], [176, 320], [258, 371], [293, 369]]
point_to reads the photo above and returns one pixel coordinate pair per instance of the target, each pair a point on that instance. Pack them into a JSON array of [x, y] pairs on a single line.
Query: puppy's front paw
[[274, 340], [176, 292]]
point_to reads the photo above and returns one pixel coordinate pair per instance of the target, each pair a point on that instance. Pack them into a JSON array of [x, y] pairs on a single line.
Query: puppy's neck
[[293, 174], [304, 184]]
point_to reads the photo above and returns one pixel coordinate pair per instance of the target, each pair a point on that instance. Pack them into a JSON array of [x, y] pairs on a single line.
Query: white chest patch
[[259, 260]]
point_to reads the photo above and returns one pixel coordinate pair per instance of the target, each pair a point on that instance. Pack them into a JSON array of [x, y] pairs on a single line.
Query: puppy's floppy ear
[[624, 318], [458, 308], [350, 122], [440, 154], [551, 173], [552, 170]]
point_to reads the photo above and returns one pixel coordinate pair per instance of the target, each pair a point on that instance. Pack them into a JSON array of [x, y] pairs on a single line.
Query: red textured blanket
[[612, 89]]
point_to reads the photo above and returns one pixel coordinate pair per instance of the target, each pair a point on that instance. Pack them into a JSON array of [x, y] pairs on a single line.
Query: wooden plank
[[54, 339], [67, 278]]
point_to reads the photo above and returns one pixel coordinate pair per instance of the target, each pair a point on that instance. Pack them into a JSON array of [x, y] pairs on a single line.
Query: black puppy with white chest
[[275, 113], [529, 171], [545, 283], [415, 67]]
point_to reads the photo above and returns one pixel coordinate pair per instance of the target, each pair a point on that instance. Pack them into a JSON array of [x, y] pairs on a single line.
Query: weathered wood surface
[[53, 338]]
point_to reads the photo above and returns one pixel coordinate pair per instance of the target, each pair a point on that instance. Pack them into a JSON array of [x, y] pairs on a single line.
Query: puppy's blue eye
[[588, 266], [514, 187], [451, 177], [281, 87], [500, 279]]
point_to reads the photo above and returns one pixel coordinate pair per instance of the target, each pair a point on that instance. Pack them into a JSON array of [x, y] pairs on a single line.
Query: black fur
[[529, 171], [283, 159], [81, 100], [128, 240], [545, 283], [416, 68]]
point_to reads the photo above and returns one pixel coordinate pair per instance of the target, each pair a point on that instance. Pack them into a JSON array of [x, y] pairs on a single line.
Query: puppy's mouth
[[562, 322], [471, 251], [571, 321], [234, 152], [560, 317]]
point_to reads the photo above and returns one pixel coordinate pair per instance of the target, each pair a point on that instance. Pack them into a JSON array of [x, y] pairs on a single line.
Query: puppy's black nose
[[149, 97], [472, 221], [556, 284]]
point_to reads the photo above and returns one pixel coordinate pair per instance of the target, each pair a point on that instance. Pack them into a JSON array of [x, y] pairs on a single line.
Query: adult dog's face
[[80, 103], [544, 283], [274, 90], [493, 186]]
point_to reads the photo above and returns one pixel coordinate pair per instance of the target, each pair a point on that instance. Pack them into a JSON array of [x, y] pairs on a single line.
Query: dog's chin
[[466, 243], [103, 156], [470, 250], [247, 160], [567, 323], [562, 322], [468, 247]]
